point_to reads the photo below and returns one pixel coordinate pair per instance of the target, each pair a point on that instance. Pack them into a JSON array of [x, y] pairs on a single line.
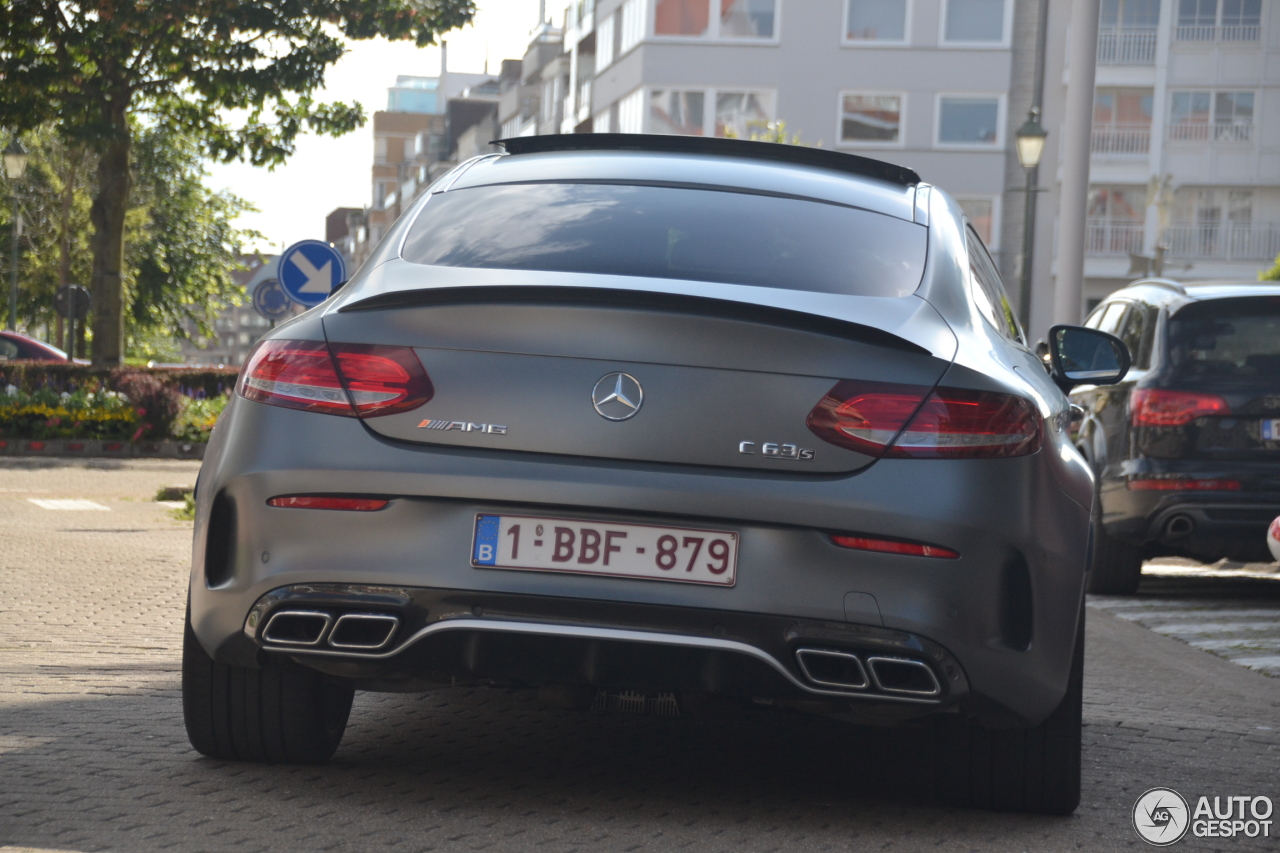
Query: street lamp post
[[15, 163], [1029, 141]]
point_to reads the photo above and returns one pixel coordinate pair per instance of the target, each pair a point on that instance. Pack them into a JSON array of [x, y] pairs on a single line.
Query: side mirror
[[1080, 356]]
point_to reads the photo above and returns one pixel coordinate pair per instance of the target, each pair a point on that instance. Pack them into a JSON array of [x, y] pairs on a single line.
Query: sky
[[325, 172]]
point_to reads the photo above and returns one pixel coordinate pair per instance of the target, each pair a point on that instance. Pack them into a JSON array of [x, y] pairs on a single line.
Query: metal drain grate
[[628, 702]]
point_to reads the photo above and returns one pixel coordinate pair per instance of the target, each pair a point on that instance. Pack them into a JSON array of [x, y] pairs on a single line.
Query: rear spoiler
[[642, 299]]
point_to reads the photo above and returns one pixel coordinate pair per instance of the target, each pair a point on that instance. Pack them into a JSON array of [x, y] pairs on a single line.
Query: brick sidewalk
[[93, 755]]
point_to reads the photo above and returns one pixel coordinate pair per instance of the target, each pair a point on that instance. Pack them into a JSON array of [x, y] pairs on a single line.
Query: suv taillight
[[1155, 407], [311, 375], [953, 423]]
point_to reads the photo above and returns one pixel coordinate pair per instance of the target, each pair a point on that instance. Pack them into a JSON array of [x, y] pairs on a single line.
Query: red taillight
[[1183, 485], [947, 423], [382, 380], [893, 546], [296, 375], [319, 502], [1155, 407], [310, 375]]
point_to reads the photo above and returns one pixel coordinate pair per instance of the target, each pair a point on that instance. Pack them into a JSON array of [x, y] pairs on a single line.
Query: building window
[[677, 112], [876, 21], [975, 21], [1218, 20], [684, 111], [1218, 223], [632, 17], [1127, 32], [749, 19], [981, 214], [631, 113], [605, 43], [1122, 122], [870, 119], [738, 113], [969, 120], [1211, 116], [736, 19], [1113, 224], [681, 17]]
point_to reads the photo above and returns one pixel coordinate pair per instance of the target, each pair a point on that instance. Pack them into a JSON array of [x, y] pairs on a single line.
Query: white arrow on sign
[[318, 280]]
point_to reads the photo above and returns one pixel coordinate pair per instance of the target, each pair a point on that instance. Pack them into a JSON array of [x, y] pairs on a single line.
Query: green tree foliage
[[182, 247], [93, 67], [1272, 274]]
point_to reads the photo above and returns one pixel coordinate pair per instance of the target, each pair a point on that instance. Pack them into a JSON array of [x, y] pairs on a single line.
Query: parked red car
[[15, 347]]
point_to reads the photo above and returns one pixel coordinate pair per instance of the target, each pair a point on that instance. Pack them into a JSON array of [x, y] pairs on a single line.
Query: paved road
[[93, 755]]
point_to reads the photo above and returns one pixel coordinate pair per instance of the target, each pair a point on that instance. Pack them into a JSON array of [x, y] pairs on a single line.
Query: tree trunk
[[107, 215]]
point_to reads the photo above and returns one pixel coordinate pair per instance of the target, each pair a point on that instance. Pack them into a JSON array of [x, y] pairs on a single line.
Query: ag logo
[[1161, 817]]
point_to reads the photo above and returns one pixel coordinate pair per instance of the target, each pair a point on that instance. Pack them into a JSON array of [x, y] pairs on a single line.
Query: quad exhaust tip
[[308, 628], [365, 631], [904, 676], [297, 627], [833, 669]]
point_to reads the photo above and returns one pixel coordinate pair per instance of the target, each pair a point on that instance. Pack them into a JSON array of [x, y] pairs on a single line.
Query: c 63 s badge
[[776, 450], [463, 426]]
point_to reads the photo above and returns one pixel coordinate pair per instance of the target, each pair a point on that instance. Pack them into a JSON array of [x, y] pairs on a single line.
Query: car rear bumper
[[457, 636], [1205, 523], [1004, 614]]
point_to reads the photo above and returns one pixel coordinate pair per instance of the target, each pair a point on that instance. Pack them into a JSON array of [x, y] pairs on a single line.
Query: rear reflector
[[318, 502], [955, 423], [1183, 485], [330, 378], [892, 546], [1156, 407]]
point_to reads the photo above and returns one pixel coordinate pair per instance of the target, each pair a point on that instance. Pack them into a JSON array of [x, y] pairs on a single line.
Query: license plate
[[649, 552], [1270, 430]]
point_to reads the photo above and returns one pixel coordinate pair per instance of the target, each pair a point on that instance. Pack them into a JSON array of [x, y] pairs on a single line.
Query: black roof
[[797, 154]]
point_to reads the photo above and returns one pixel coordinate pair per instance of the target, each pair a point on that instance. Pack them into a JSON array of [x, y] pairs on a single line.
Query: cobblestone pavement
[[93, 755], [1230, 610]]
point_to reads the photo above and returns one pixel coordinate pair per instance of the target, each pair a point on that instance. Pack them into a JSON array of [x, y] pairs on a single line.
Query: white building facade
[[1186, 141]]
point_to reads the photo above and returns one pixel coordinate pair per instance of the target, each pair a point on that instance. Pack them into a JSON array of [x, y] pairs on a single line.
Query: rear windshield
[[666, 232], [1227, 338]]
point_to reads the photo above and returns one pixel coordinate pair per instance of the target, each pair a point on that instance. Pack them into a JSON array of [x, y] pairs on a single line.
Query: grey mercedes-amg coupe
[[651, 422]]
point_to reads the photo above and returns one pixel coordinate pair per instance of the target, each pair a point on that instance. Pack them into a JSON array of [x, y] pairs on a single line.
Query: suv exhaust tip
[[832, 669], [1179, 526]]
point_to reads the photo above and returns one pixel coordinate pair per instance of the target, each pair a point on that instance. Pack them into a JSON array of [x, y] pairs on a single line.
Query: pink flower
[[142, 413], [137, 435]]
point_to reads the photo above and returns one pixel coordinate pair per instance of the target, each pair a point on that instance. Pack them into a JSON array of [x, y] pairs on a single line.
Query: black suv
[[1187, 448]]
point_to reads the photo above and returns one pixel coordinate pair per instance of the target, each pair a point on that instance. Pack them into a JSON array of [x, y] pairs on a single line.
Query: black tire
[[1022, 770], [271, 714], [1117, 565]]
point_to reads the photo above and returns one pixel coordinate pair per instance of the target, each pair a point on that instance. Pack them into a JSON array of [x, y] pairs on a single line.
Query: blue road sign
[[270, 300], [309, 271]]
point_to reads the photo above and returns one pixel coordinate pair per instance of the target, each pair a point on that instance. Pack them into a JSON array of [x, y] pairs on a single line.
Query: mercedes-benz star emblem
[[617, 396]]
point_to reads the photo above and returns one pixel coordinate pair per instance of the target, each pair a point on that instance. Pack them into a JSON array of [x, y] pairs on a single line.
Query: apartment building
[[925, 83], [1186, 141]]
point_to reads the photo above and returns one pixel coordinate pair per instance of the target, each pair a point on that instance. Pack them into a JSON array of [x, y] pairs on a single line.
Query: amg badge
[[463, 426]]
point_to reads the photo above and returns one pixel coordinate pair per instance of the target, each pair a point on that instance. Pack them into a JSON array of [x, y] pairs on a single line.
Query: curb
[[77, 447]]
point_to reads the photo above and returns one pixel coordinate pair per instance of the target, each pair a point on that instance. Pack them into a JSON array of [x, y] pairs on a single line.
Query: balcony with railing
[[1220, 241], [1104, 237], [1126, 45], [1121, 140], [1210, 32], [1203, 131]]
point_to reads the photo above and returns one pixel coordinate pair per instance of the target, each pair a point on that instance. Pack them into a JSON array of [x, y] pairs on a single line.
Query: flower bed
[[47, 402]]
